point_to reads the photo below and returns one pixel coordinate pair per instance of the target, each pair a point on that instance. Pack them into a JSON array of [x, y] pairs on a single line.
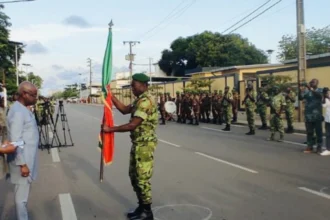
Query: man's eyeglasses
[[33, 95]]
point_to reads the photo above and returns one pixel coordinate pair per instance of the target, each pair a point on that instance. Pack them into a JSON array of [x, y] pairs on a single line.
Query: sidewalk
[[299, 127]]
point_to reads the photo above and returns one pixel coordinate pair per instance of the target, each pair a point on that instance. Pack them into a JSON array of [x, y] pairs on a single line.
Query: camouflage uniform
[[144, 142], [227, 110], [235, 104], [196, 109], [262, 102], [289, 110], [250, 107], [313, 116], [276, 123], [214, 107], [178, 105], [162, 108]]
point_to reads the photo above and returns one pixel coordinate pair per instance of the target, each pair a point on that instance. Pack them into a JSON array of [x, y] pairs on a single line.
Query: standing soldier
[[162, 108], [202, 107], [235, 104], [196, 108], [250, 106], [214, 106], [207, 107], [290, 98], [219, 107], [277, 105], [262, 102], [185, 108], [227, 108], [178, 103], [142, 127]]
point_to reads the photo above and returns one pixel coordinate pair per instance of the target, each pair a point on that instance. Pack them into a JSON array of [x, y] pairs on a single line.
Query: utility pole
[[89, 62], [150, 64], [16, 64], [301, 36], [130, 58]]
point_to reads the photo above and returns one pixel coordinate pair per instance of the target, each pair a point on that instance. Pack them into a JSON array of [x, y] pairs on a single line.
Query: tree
[[198, 85], [70, 91], [270, 81], [317, 42], [209, 50], [35, 79]]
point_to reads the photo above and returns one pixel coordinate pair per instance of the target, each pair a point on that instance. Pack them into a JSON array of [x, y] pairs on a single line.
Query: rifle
[[246, 96]]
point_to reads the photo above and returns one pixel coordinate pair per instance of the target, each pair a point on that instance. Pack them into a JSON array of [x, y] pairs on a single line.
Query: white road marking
[[295, 143], [315, 192], [55, 156], [239, 126], [228, 163], [169, 143], [299, 134], [213, 129], [67, 208]]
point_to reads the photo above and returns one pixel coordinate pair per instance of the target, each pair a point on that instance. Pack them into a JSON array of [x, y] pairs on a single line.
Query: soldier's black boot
[[227, 128], [251, 132], [290, 130], [144, 213], [263, 127], [137, 212]]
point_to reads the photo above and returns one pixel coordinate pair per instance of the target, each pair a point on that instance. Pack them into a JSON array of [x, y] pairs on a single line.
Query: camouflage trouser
[[289, 114], [227, 115], [262, 110], [141, 170], [250, 117], [276, 124]]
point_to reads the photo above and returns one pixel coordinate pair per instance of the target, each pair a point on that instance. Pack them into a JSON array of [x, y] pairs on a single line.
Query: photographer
[[326, 105], [313, 113]]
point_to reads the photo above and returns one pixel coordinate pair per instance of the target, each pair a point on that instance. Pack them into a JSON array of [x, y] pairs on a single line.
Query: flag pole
[[103, 121]]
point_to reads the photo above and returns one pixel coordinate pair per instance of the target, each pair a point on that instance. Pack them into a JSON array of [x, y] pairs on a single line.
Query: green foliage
[[282, 82], [70, 91], [208, 50], [7, 57], [199, 84], [317, 42]]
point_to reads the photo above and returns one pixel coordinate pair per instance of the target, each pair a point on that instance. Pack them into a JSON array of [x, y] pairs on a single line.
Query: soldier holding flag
[[142, 126]]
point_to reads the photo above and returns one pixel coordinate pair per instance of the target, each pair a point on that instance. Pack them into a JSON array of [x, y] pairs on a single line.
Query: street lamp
[[26, 68], [16, 44]]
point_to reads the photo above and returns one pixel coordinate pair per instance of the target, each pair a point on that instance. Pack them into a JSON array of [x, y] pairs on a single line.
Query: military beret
[[227, 87], [140, 77], [177, 92]]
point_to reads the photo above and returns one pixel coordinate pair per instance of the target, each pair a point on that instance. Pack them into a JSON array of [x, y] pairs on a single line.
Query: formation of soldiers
[[196, 107]]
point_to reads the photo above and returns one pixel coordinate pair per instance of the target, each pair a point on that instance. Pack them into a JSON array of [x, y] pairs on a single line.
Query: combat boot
[[137, 212], [144, 213], [227, 128], [251, 132], [263, 127]]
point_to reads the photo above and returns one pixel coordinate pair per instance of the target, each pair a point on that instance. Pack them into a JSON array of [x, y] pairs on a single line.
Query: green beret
[[227, 87], [140, 77], [177, 92]]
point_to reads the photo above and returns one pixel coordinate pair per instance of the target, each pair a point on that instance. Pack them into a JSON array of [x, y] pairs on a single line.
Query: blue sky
[[61, 34]]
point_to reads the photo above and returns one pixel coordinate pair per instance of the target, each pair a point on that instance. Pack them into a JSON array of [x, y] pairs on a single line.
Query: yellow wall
[[178, 86], [218, 84], [320, 73], [169, 88], [230, 82]]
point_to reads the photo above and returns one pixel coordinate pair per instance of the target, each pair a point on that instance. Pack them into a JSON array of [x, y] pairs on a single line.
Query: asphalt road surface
[[201, 173]]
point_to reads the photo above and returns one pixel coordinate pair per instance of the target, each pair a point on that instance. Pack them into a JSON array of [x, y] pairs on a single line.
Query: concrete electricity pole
[[89, 62], [130, 58], [150, 64], [301, 37]]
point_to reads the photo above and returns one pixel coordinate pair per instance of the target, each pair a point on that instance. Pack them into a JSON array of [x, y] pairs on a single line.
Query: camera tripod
[[45, 125], [64, 122]]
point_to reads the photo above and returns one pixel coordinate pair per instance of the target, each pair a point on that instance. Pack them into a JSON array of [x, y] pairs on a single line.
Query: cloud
[[76, 21], [35, 47], [45, 33], [57, 67]]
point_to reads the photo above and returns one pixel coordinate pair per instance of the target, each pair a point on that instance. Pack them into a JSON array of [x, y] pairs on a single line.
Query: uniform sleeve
[[142, 108], [283, 101], [15, 130]]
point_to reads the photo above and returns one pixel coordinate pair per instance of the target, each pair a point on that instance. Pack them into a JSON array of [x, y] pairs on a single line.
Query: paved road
[[201, 173]]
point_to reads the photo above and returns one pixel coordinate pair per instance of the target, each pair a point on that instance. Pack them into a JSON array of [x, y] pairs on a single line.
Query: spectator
[[326, 105], [23, 164]]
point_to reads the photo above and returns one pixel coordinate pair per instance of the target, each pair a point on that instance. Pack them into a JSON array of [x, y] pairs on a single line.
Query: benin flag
[[106, 140]]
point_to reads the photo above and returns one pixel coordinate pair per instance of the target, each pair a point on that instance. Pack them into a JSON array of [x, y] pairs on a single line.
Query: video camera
[[325, 90]]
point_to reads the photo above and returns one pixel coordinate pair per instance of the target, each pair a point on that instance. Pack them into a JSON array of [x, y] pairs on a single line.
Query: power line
[[162, 21], [247, 16], [179, 14], [279, 10], [16, 1], [258, 15]]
